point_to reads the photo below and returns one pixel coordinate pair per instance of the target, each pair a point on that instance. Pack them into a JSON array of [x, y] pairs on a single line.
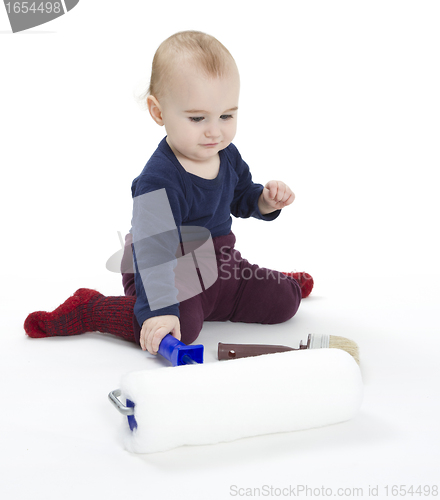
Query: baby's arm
[[154, 330], [275, 195], [156, 257]]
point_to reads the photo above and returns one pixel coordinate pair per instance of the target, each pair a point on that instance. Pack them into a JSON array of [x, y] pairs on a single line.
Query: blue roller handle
[[179, 353]]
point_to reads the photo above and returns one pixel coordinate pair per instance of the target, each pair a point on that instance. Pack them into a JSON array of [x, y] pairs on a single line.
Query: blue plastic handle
[[178, 353]]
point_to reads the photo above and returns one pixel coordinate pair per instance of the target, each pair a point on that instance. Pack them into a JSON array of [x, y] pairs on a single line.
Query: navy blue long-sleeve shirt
[[195, 201]]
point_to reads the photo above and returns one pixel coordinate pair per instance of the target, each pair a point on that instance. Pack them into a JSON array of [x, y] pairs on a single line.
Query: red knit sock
[[85, 311], [305, 282]]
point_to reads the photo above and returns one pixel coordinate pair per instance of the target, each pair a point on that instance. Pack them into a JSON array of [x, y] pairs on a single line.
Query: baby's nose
[[212, 131]]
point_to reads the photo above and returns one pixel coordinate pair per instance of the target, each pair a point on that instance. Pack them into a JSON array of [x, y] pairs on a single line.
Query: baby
[[193, 93]]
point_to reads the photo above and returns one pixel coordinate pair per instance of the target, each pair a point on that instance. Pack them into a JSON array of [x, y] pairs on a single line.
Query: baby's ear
[[155, 109]]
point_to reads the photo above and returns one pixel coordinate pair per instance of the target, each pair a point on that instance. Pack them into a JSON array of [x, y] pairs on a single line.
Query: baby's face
[[200, 113]]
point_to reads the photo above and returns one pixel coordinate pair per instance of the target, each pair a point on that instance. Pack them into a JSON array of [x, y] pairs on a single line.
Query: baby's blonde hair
[[203, 50]]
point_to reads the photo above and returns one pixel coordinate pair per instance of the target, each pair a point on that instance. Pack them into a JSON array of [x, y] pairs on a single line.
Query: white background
[[340, 100]]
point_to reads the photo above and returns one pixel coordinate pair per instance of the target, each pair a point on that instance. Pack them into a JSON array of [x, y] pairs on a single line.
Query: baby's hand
[[275, 195], [154, 330]]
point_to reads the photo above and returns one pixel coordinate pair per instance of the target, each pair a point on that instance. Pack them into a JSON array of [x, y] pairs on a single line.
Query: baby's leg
[[90, 311], [266, 296], [253, 294], [191, 319], [85, 311]]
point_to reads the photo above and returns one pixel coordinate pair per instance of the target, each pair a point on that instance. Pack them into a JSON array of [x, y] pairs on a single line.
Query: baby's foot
[[70, 318]]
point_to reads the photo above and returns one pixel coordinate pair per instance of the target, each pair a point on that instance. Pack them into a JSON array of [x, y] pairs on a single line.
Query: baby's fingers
[[143, 338], [281, 194], [288, 198], [272, 187], [156, 338]]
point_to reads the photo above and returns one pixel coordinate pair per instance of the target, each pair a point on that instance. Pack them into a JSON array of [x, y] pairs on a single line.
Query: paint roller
[[192, 403]]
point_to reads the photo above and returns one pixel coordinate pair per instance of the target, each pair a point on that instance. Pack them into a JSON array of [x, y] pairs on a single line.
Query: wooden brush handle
[[234, 351]]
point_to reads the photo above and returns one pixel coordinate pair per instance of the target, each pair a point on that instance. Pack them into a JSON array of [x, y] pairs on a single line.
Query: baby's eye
[[225, 117], [196, 119]]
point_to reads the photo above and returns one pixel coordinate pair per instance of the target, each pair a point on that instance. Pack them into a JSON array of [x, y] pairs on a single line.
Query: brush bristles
[[346, 345]]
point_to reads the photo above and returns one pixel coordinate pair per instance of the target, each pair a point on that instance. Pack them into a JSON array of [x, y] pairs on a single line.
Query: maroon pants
[[243, 292]]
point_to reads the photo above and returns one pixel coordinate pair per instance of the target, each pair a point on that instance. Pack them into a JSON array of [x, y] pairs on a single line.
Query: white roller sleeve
[[228, 400]]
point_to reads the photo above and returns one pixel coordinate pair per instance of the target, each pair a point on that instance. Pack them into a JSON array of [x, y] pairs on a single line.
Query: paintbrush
[[314, 341]]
